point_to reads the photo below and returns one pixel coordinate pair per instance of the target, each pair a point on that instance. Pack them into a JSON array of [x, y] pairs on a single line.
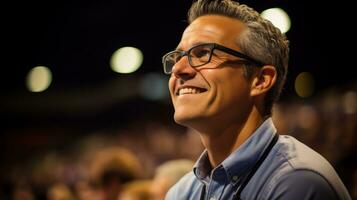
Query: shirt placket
[[216, 184]]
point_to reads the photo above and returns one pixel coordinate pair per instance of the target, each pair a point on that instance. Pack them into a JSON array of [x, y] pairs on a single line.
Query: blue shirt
[[290, 171]]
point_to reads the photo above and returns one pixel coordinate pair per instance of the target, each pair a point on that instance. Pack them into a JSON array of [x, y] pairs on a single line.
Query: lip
[[201, 89]]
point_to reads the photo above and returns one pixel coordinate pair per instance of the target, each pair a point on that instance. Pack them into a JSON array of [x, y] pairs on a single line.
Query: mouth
[[189, 90]]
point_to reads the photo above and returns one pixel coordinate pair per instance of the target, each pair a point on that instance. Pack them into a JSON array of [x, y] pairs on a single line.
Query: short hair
[[261, 40], [114, 164], [137, 189]]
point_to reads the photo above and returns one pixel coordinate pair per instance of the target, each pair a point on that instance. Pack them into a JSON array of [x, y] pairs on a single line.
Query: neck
[[221, 142]]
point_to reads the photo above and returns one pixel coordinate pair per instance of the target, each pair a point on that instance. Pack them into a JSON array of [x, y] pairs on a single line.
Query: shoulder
[[302, 184], [185, 188], [300, 156], [304, 171]]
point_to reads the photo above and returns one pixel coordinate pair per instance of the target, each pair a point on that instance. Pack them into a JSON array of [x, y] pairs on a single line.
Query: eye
[[201, 52]]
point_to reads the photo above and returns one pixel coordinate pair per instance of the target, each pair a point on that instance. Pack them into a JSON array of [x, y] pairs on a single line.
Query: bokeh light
[[39, 79], [126, 60], [154, 86], [304, 84], [278, 17]]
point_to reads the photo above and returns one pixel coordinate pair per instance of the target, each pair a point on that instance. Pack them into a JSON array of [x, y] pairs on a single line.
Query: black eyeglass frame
[[212, 47]]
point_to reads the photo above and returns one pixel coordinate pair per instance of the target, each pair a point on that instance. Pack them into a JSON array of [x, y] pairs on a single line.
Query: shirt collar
[[237, 163], [202, 168]]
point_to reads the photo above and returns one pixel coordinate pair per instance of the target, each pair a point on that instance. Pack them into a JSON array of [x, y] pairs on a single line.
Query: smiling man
[[226, 73]]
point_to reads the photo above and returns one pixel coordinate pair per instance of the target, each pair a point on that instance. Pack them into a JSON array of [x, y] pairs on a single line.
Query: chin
[[182, 120], [188, 119]]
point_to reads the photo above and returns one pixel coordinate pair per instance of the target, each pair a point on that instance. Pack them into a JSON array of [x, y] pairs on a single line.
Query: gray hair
[[261, 40], [174, 170]]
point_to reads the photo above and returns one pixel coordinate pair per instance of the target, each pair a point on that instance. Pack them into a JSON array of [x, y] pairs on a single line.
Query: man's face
[[216, 93]]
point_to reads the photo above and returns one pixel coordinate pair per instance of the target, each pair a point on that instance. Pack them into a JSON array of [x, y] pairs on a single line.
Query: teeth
[[189, 91]]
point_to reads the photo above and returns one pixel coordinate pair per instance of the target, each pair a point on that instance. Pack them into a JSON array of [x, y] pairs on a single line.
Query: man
[[226, 73]]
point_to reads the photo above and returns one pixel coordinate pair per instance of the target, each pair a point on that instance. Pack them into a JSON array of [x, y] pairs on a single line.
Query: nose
[[183, 70]]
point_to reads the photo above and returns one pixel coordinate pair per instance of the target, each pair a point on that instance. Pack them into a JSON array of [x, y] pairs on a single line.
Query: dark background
[[76, 39]]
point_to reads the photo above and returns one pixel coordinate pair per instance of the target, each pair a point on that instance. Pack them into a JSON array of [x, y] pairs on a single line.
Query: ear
[[264, 80]]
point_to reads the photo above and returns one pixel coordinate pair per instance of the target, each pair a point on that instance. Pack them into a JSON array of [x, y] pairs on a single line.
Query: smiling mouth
[[190, 90]]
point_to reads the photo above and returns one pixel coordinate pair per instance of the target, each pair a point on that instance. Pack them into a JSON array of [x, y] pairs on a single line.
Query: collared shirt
[[290, 171]]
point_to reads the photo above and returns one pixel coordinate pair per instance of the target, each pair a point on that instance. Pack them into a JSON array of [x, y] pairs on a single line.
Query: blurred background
[[72, 110]]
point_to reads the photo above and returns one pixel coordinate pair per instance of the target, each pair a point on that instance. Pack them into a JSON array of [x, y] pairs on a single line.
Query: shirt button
[[235, 178], [212, 198]]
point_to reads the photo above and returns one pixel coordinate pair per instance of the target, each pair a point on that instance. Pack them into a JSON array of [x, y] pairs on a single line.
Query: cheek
[[233, 88], [171, 84]]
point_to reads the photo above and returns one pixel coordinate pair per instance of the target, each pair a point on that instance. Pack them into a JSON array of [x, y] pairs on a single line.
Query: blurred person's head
[[59, 191], [167, 174], [84, 190], [23, 192], [136, 190], [111, 168]]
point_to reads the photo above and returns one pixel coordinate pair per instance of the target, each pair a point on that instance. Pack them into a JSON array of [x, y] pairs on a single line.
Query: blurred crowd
[[141, 161]]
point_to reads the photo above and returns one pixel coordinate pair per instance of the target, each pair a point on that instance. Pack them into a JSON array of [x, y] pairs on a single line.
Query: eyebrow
[[192, 45]]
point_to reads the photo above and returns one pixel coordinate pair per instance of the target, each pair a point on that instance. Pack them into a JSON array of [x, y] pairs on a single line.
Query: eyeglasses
[[200, 55]]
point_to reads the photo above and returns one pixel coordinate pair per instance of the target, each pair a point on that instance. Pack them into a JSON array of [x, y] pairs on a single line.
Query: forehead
[[212, 28]]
